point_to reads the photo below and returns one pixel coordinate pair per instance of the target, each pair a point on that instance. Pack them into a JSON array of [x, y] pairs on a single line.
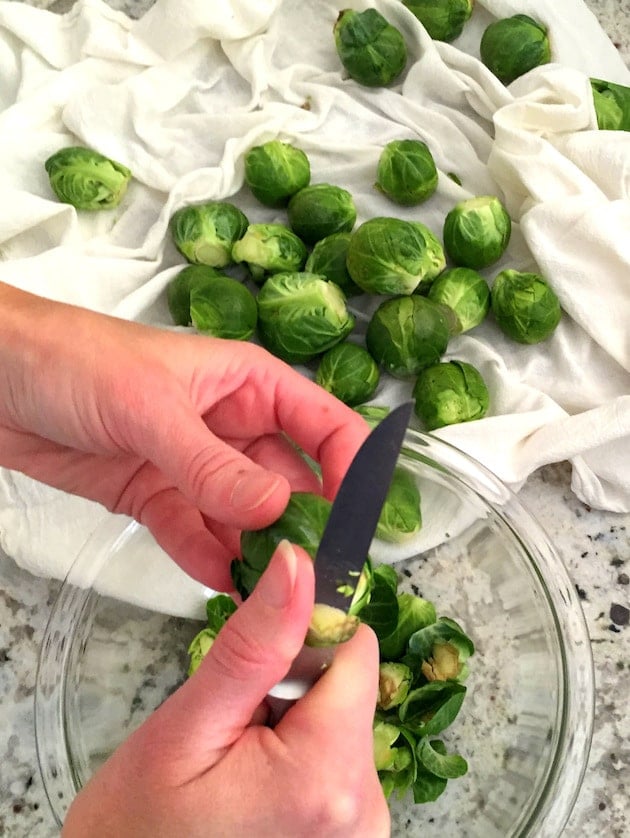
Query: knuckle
[[205, 469]]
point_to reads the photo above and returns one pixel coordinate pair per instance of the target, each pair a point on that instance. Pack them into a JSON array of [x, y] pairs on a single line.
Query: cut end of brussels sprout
[[477, 231], [372, 51], [512, 46], [448, 393], [524, 306], [87, 179], [443, 19], [275, 171], [406, 172], [330, 626]]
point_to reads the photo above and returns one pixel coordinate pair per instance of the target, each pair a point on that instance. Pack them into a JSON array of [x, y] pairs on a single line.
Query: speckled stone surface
[[594, 545]]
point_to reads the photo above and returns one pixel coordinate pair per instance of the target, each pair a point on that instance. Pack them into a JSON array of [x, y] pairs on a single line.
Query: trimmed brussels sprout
[[514, 45], [205, 233], [199, 648], [320, 210], [406, 172], [384, 736], [274, 171], [466, 293], [223, 308], [394, 681], [407, 334], [612, 105], [372, 50], [400, 516], [87, 179], [443, 665], [394, 256], [300, 315], [328, 259], [450, 392], [269, 249], [218, 609], [329, 626], [525, 306], [349, 372], [443, 19], [477, 231]]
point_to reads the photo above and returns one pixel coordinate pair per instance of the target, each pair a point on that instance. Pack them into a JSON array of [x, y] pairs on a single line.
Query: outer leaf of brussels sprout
[[178, 291], [414, 613], [274, 171], [223, 307], [381, 612], [349, 372], [525, 306], [373, 51], [612, 105], [477, 231], [443, 630], [401, 516], [430, 709], [300, 315], [393, 256], [321, 210], [270, 249], [442, 765], [406, 172], [514, 45], [372, 413], [328, 259], [87, 179], [384, 736], [465, 292], [218, 609], [450, 392], [443, 19], [205, 233], [407, 334]]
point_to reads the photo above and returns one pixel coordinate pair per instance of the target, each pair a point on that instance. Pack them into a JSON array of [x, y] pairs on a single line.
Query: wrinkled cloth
[[180, 95]]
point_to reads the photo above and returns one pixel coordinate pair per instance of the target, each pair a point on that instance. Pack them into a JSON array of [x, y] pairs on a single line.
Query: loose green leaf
[[430, 709], [448, 766], [218, 609], [381, 613]]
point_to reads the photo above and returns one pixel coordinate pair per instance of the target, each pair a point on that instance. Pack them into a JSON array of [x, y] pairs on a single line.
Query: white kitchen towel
[[180, 95]]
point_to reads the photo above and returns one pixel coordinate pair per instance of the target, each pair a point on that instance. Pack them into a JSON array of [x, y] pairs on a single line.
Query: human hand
[[203, 765], [185, 433]]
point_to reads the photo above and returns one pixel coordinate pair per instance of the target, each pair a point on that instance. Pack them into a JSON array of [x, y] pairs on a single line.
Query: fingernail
[[253, 489], [278, 581]]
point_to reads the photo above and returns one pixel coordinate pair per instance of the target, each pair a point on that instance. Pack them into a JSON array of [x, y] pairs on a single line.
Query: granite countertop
[[595, 546]]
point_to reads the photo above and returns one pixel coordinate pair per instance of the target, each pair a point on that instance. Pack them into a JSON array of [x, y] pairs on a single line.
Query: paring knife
[[344, 546]]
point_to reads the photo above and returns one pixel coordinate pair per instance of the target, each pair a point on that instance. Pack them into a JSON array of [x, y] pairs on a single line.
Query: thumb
[[252, 652]]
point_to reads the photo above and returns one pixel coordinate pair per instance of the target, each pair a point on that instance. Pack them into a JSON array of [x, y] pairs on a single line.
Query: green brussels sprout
[[466, 293], [199, 648], [400, 516], [450, 392], [178, 292], [349, 372], [394, 681], [394, 256], [384, 736], [406, 172], [87, 179], [223, 308], [525, 306], [274, 171], [300, 315], [328, 259], [514, 45], [218, 610], [372, 50], [477, 231], [320, 210], [407, 334], [612, 105], [269, 249], [443, 19], [205, 233]]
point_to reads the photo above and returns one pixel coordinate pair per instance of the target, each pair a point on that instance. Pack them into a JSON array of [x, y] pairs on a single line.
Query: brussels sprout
[[612, 105], [274, 171], [525, 306], [223, 308], [514, 45], [394, 681], [86, 179], [407, 334], [372, 50], [406, 172], [329, 626], [300, 315], [400, 516], [205, 233], [443, 19], [394, 256], [199, 648], [320, 210], [443, 665], [349, 372], [328, 259], [450, 392], [269, 249], [384, 736], [414, 613], [477, 231], [218, 609], [466, 293], [178, 292]]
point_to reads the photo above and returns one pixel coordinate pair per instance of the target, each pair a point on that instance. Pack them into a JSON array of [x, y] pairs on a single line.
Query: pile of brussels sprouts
[[423, 657]]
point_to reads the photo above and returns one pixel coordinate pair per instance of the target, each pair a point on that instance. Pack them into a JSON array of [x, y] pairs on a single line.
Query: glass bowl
[[116, 646]]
